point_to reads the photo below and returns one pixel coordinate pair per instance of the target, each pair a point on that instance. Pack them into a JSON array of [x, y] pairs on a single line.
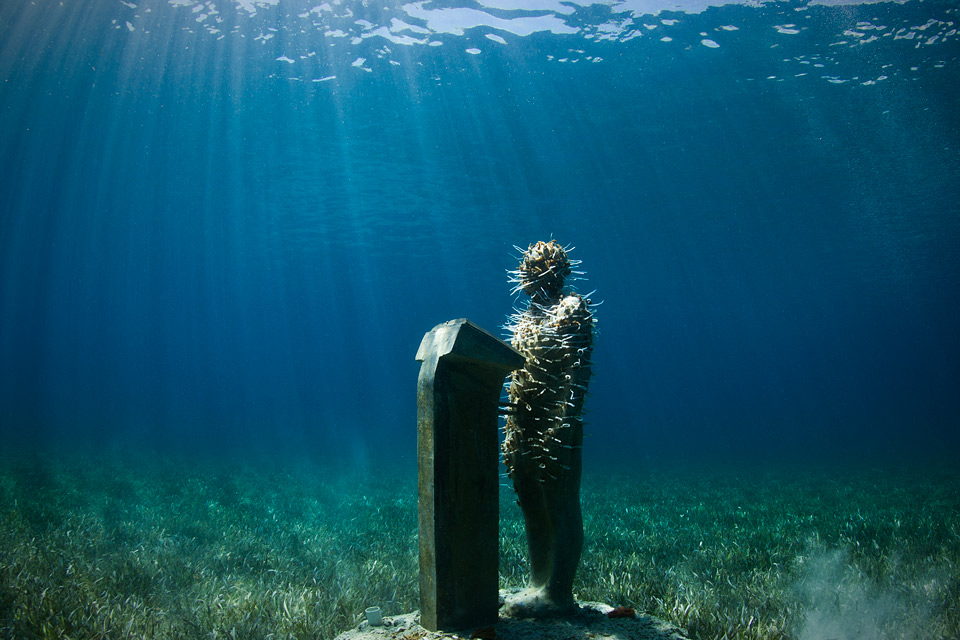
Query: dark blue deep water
[[225, 226]]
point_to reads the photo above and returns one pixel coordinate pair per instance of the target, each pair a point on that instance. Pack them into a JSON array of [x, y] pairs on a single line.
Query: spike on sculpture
[[544, 429]]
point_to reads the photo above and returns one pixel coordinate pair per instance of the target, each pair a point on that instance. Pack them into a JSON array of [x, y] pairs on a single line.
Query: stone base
[[592, 621]]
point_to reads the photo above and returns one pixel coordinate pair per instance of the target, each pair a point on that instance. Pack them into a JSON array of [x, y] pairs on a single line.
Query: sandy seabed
[[593, 621]]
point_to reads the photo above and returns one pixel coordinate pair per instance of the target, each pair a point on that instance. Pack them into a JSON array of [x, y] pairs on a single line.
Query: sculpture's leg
[[539, 528], [554, 525], [563, 502], [555, 542]]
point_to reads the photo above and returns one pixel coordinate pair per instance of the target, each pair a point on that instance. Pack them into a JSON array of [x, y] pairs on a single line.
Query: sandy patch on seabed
[[592, 623]]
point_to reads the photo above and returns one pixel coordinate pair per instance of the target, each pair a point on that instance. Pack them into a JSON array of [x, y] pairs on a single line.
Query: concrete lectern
[[458, 392]]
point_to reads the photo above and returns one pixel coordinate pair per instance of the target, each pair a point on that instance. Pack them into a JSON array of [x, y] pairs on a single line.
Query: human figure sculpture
[[544, 428]]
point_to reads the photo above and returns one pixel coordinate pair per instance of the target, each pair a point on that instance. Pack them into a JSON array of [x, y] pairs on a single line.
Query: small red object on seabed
[[622, 612]]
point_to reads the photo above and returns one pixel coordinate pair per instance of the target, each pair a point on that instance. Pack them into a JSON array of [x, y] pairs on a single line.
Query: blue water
[[226, 226]]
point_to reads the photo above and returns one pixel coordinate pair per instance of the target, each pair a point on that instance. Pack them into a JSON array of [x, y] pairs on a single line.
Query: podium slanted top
[[463, 340]]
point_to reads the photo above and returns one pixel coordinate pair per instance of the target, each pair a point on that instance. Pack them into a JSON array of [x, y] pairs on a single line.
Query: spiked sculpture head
[[543, 269]]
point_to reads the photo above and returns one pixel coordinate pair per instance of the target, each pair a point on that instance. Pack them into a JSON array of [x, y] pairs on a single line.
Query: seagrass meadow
[[134, 547]]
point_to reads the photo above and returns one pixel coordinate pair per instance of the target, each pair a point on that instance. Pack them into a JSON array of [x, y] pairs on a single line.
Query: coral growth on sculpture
[[544, 428]]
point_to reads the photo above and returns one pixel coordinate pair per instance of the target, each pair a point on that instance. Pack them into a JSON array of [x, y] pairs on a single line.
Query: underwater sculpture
[[461, 378], [458, 392], [544, 428]]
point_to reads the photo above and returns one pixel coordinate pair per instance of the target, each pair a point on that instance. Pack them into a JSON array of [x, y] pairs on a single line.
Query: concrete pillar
[[458, 456]]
